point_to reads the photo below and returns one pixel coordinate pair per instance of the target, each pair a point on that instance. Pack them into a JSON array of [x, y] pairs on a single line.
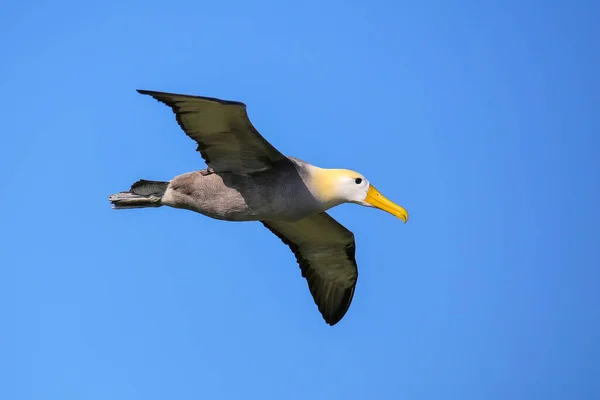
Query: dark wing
[[325, 251], [226, 138]]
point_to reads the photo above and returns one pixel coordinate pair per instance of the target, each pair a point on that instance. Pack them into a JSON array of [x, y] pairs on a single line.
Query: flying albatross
[[247, 179]]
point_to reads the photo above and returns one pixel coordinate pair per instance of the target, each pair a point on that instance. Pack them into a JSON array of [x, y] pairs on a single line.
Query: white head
[[336, 186]]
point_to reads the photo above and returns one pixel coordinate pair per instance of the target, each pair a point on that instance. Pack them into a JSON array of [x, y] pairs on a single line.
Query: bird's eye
[[358, 181]]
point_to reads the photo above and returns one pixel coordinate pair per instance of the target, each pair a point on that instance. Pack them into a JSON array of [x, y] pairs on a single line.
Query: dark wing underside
[[325, 251], [226, 138]]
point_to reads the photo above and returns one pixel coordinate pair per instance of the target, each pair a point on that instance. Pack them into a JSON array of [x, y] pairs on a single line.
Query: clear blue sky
[[481, 119]]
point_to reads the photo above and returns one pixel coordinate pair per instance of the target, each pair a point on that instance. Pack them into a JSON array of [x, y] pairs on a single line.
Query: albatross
[[247, 179]]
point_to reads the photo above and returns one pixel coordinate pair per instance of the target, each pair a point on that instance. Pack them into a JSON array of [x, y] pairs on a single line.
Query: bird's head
[[346, 186]]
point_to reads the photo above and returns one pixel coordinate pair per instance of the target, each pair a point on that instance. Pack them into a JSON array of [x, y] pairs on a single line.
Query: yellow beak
[[378, 200]]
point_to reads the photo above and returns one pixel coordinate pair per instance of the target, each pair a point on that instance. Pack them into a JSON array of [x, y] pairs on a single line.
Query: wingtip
[[333, 321], [165, 96]]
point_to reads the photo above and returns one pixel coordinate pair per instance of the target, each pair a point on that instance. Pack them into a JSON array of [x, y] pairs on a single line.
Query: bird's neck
[[325, 184]]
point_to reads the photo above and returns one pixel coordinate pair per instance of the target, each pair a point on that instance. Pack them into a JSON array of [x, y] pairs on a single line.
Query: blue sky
[[481, 118]]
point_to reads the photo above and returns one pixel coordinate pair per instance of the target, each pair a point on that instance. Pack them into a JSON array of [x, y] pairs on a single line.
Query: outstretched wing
[[325, 251], [226, 138]]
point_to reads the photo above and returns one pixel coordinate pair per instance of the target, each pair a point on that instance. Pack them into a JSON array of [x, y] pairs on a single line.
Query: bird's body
[[249, 180], [278, 193]]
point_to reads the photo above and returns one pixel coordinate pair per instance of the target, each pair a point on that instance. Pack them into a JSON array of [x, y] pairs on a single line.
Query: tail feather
[[142, 194]]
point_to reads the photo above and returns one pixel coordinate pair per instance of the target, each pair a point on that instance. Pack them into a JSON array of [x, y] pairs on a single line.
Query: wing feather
[[226, 138], [325, 251]]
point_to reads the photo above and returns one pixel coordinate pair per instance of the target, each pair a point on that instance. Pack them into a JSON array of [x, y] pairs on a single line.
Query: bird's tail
[[142, 194]]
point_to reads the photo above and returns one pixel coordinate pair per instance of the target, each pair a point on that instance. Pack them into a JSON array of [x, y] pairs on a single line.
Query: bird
[[247, 179]]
